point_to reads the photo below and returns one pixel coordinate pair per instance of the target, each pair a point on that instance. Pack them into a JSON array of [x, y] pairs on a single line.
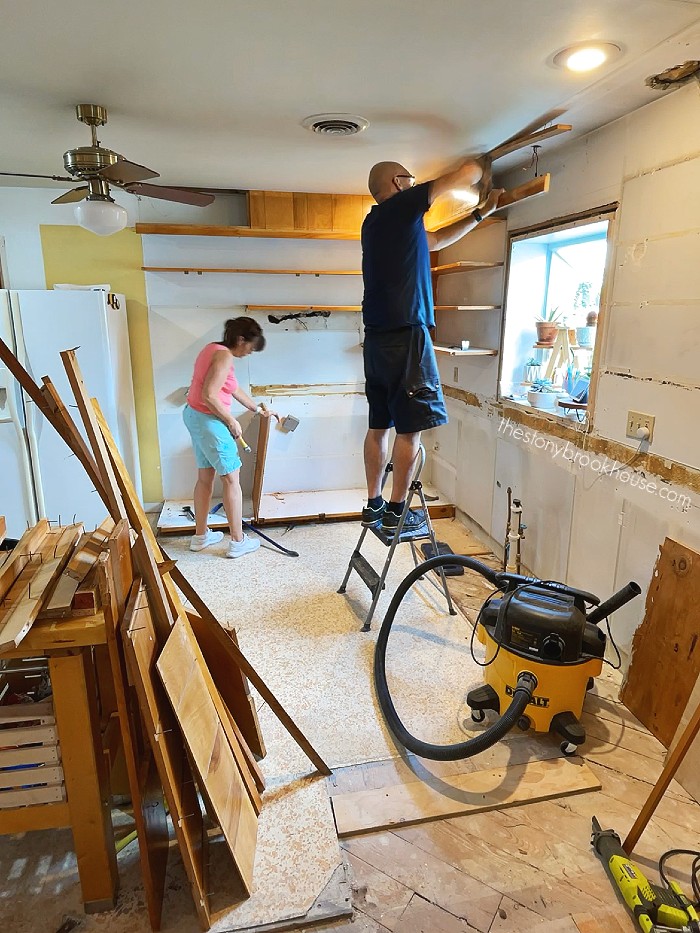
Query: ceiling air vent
[[335, 124]]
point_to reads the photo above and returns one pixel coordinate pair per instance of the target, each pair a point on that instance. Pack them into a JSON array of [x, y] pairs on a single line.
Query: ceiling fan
[[99, 168]]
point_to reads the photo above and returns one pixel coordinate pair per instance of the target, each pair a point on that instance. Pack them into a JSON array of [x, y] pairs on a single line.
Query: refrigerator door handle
[[30, 413], [9, 392], [31, 416]]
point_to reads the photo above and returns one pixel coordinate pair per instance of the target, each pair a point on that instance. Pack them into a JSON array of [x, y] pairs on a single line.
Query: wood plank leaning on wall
[[665, 661]]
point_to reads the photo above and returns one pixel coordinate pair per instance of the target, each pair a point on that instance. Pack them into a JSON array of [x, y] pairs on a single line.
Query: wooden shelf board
[[201, 271], [467, 307], [218, 230], [304, 307], [472, 351], [550, 346], [464, 266], [286, 507]]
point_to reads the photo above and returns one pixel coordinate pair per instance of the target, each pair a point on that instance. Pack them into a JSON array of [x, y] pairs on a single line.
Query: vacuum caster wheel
[[568, 748], [524, 723], [478, 715]]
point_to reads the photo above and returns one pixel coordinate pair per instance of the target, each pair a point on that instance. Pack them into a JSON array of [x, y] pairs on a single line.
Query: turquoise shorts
[[213, 444]]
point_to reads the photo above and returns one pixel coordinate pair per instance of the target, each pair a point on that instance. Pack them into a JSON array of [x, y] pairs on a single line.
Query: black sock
[[374, 503], [396, 507]]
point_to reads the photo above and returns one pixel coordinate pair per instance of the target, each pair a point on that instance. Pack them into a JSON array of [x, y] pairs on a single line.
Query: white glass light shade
[[101, 217]]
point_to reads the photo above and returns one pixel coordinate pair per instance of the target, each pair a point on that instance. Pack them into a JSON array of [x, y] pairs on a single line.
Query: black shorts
[[402, 381]]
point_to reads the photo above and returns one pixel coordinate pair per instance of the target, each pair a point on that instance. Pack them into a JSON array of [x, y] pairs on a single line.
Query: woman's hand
[[268, 412], [235, 428]]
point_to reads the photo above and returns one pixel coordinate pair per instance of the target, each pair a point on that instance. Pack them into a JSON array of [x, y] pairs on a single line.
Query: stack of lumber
[[29, 577], [187, 723], [45, 575]]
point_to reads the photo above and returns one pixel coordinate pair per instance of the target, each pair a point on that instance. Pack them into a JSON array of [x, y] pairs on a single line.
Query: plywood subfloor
[[530, 867]]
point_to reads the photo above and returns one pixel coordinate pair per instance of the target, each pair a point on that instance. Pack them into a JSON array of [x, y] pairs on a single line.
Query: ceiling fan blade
[[26, 175], [77, 194], [182, 195], [126, 172]]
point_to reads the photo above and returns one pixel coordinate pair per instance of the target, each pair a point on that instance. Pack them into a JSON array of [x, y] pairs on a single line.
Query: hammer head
[[289, 424]]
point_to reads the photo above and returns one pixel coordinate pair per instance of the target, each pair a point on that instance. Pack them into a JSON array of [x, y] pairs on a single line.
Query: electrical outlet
[[637, 420], [456, 374]]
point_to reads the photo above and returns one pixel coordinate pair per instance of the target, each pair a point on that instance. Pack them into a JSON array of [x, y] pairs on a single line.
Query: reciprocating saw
[[656, 909]]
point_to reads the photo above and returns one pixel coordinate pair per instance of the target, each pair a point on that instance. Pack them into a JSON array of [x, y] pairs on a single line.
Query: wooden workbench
[[87, 808]]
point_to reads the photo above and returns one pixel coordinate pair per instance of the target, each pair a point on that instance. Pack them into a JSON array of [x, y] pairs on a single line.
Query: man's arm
[[453, 232], [467, 175]]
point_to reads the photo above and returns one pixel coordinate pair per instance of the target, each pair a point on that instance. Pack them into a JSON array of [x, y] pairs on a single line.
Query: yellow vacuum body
[[561, 688], [543, 632]]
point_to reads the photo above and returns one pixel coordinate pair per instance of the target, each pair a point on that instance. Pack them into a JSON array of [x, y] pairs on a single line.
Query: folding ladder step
[[366, 571]]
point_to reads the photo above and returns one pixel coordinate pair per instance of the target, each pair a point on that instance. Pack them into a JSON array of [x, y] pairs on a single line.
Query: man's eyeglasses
[[411, 179]]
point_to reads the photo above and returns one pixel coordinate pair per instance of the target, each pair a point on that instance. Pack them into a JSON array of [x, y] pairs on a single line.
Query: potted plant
[[585, 302], [542, 394], [547, 326], [532, 370]]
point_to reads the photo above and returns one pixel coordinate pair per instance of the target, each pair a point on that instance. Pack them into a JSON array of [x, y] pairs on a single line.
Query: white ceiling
[[213, 92]]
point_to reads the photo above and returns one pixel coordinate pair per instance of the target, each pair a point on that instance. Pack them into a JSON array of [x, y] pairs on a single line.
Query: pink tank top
[[201, 368]]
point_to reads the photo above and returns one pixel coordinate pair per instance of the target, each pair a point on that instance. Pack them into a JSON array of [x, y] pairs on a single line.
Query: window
[[555, 280]]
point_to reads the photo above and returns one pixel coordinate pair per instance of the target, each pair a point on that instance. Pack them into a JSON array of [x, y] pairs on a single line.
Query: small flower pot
[[585, 336], [546, 333], [545, 400]]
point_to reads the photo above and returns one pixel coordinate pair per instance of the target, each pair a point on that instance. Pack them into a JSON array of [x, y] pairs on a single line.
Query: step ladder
[[374, 581]]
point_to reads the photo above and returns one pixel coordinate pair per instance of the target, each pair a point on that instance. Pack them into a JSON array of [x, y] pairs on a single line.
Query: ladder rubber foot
[[341, 590], [366, 628]]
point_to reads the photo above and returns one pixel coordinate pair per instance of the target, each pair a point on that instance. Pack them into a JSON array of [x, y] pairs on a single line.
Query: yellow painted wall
[[74, 255]]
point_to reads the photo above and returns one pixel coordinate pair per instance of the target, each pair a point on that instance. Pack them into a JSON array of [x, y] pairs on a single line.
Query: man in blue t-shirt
[[402, 381]]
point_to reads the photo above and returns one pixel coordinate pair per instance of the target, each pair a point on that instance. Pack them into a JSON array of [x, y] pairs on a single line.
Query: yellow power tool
[[656, 909]]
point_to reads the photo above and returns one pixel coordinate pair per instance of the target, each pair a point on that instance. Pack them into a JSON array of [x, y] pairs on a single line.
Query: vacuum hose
[[522, 694]]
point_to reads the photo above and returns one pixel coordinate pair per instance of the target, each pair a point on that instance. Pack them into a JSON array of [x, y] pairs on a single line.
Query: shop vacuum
[[543, 650]]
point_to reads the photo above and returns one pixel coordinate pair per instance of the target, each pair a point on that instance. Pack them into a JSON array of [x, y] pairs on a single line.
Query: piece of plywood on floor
[[666, 647], [334, 903], [475, 792], [181, 668]]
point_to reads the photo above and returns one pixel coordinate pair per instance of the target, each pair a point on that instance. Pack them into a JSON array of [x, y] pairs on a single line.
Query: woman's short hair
[[246, 328]]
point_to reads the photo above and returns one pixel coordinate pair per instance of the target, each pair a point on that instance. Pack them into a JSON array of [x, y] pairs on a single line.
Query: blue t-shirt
[[396, 262]]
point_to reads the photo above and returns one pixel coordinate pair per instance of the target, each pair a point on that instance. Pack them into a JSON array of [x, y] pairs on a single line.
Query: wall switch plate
[[456, 374], [636, 420]]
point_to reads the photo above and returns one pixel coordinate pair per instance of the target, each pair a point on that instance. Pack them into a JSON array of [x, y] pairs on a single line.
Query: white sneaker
[[246, 546], [199, 542]]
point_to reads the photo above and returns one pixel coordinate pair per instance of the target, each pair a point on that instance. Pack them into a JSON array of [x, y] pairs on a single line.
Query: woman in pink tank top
[[214, 431]]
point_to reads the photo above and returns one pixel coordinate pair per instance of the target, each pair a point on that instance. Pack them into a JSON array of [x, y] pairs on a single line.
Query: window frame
[[606, 212]]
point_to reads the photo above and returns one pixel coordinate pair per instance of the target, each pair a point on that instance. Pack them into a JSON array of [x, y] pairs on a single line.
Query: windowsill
[[521, 403]]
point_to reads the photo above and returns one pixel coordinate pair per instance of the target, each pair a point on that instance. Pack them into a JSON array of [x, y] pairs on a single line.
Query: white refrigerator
[[39, 477]]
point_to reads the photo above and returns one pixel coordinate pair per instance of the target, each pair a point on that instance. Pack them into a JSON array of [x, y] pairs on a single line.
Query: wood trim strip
[[214, 230]]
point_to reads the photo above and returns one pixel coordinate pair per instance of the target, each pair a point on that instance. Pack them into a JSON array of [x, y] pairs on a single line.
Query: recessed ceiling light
[[335, 124], [585, 56]]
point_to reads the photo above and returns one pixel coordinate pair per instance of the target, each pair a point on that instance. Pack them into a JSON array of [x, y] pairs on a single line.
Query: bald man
[[402, 383]]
